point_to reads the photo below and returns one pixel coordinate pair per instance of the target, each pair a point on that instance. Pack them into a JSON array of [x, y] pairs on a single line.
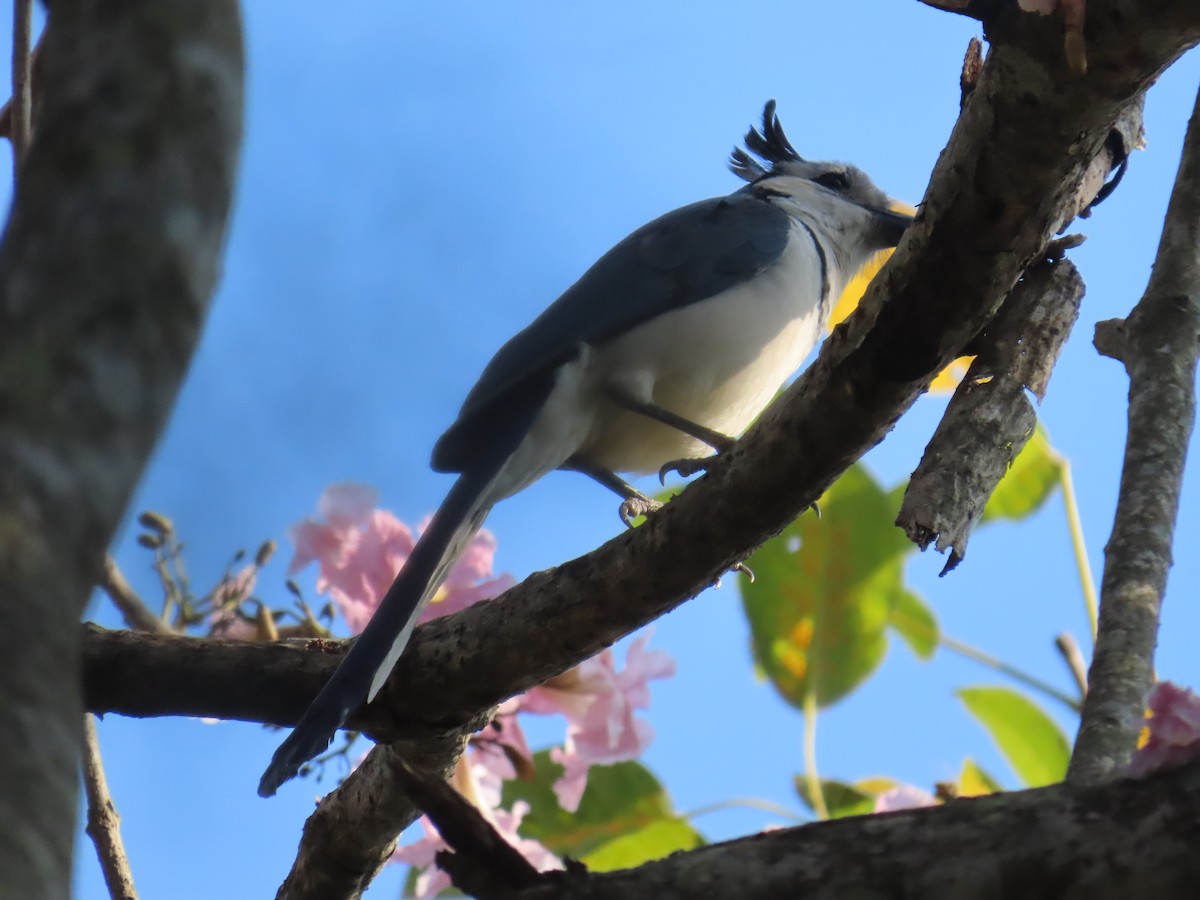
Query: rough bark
[[990, 417], [108, 262], [1115, 842], [1158, 344]]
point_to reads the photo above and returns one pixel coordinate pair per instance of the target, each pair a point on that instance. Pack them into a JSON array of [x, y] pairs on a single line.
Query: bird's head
[[833, 195]]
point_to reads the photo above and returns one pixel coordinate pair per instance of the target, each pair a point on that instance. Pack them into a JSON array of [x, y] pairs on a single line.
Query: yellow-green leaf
[[1029, 481], [819, 608], [1029, 739], [841, 799], [621, 799], [973, 781], [914, 621], [652, 841]]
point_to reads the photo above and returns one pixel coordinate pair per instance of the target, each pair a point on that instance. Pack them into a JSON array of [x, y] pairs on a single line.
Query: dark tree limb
[[103, 822], [1158, 344], [989, 418], [108, 261], [1111, 842], [347, 841], [483, 863]]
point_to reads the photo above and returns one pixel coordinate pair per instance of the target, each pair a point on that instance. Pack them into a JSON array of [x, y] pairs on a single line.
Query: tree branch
[[1160, 342], [1110, 842], [989, 418], [108, 261], [135, 613], [103, 823], [21, 108]]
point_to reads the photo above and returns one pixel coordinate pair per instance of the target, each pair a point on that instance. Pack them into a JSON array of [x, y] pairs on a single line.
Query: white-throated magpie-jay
[[675, 339]]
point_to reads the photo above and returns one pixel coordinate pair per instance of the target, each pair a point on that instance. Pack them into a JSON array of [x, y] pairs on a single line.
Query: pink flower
[[361, 548], [501, 745], [599, 704], [481, 786], [1174, 731], [903, 796]]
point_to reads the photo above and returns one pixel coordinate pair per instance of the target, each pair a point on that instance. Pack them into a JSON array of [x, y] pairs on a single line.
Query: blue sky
[[418, 181]]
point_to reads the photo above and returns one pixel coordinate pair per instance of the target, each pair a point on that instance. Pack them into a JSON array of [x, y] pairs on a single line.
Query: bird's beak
[[890, 223]]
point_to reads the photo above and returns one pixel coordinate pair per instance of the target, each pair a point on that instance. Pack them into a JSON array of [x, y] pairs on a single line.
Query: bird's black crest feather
[[770, 145]]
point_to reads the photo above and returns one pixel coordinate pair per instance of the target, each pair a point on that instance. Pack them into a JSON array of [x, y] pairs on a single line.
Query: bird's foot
[[640, 505]]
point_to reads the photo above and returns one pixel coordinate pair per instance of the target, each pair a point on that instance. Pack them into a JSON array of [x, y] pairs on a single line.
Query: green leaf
[[653, 841], [914, 621], [1030, 740], [824, 590], [841, 799], [974, 781], [1029, 482], [620, 799]]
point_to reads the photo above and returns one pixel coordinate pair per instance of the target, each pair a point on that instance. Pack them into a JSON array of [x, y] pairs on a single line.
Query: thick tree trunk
[[106, 269]]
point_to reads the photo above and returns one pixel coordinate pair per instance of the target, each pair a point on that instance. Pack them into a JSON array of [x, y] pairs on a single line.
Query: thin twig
[[986, 659], [1068, 648], [812, 779], [103, 823], [22, 93], [1162, 337], [1078, 547], [135, 613]]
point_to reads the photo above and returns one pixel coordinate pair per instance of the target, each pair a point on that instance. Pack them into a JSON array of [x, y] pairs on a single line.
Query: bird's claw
[[683, 467], [737, 567], [633, 507]]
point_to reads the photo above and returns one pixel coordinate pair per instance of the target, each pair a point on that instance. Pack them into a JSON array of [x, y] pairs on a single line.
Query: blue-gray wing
[[684, 257]]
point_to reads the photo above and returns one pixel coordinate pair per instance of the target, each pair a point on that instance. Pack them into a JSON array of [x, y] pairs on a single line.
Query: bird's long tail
[[371, 657]]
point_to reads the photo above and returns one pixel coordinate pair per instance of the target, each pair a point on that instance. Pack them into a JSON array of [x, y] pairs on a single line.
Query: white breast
[[718, 362]]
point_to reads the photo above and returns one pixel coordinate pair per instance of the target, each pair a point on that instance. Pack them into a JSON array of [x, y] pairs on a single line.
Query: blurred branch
[[108, 261], [1068, 649], [135, 613], [21, 111], [1161, 339], [989, 418], [1110, 842], [1083, 565], [103, 822]]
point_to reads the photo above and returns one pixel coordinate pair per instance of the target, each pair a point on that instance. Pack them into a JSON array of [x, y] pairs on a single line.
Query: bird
[[665, 349]]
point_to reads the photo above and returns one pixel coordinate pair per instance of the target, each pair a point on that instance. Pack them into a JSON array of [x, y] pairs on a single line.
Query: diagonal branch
[[1158, 344], [103, 822], [108, 261]]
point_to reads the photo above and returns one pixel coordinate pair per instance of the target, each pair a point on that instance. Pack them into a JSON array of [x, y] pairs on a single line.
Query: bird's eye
[[835, 181]]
